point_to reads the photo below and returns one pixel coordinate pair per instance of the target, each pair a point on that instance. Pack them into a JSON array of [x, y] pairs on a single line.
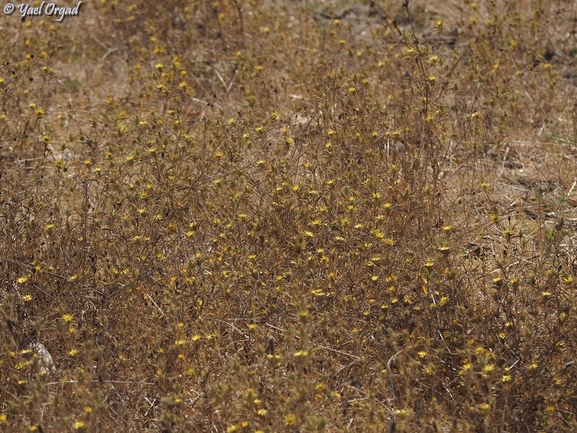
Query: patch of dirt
[[560, 50]]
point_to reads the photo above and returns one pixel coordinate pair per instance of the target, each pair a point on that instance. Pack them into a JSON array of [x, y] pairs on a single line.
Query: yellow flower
[[67, 317], [78, 425], [290, 419]]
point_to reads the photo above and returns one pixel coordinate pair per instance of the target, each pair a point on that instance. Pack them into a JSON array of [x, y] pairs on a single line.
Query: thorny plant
[[257, 216]]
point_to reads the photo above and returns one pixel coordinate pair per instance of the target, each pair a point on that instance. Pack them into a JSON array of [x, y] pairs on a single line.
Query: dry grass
[[309, 216]]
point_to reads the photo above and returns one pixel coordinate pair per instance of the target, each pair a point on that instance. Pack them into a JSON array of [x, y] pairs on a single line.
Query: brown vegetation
[[242, 216]]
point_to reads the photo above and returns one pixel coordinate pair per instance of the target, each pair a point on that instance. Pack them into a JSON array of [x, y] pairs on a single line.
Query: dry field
[[268, 216]]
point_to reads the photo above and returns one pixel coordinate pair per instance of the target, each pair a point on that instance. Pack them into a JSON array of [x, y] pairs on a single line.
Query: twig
[[220, 78], [450, 395], [241, 21], [110, 51], [350, 364], [237, 330], [340, 351], [151, 403], [231, 80], [17, 292], [155, 304], [121, 382], [505, 158], [274, 327], [571, 189], [391, 374]]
